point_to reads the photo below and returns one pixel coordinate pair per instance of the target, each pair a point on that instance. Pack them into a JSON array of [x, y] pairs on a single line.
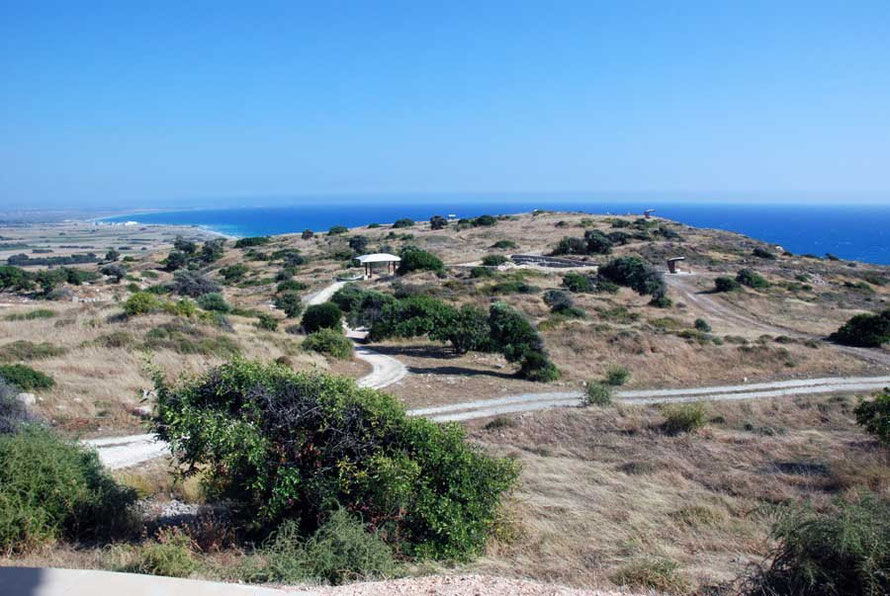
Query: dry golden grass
[[602, 489]]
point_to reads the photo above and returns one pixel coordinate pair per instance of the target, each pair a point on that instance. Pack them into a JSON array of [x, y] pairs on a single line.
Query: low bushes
[[188, 339], [844, 550], [25, 377], [874, 416], [865, 330], [31, 315], [702, 325], [193, 284], [726, 284], [26, 350], [169, 555], [266, 322], [252, 241], [598, 394], [290, 303], [340, 551], [494, 260], [617, 375], [214, 302], [141, 303], [415, 259], [750, 278], [763, 253], [13, 412], [578, 282], [634, 273], [322, 316], [684, 417], [52, 489], [283, 445], [593, 243], [330, 342]]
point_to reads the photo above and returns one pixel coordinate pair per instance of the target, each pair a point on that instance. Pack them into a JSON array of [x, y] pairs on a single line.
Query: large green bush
[[415, 259], [141, 303], [634, 273], [726, 284], [322, 316], [874, 416], [750, 278], [841, 551], [25, 377], [578, 282], [467, 331], [865, 330], [52, 489], [514, 336], [290, 303], [329, 341], [283, 445]]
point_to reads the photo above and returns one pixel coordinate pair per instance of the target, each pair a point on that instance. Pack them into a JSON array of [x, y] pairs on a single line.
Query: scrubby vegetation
[[282, 445], [322, 316], [865, 330], [634, 273], [52, 489], [25, 377], [415, 259], [329, 341], [874, 416]]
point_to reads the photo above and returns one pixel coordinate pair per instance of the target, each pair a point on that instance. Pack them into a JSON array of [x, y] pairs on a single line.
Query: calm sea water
[[856, 232]]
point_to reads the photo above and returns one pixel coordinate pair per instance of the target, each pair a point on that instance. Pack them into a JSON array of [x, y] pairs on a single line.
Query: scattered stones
[[29, 399]]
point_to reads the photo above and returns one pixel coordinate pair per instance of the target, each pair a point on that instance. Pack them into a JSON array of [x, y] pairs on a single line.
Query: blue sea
[[851, 231]]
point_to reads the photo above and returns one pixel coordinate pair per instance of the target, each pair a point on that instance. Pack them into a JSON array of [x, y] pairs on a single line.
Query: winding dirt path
[[122, 452]]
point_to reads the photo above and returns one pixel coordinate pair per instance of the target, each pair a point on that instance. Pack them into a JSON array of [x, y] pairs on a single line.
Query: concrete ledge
[[30, 581]]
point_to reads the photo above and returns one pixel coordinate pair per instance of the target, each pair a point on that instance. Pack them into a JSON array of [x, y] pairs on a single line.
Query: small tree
[[193, 284], [514, 337], [114, 271], [865, 330], [337, 230], [570, 246], [212, 250], [290, 303], [112, 255], [494, 260], [874, 416], [437, 222], [485, 221], [322, 316], [578, 282], [267, 322], [184, 246], [214, 302], [404, 222], [415, 259], [468, 331], [750, 278], [176, 260], [702, 325], [358, 244], [597, 243], [763, 253], [307, 234], [726, 284]]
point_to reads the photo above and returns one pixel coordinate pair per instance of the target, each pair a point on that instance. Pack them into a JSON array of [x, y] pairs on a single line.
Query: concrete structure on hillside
[[674, 264], [648, 213], [369, 261]]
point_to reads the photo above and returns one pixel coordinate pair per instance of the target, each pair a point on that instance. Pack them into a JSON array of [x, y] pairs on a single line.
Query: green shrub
[[684, 417], [322, 316], [513, 286], [337, 230], [193, 284], [267, 322], [329, 341], [252, 241], [865, 330], [31, 315], [484, 221], [466, 331], [233, 273], [617, 375], [570, 246], [184, 338], [13, 412], [763, 253], [481, 272], [169, 556], [403, 223], [504, 244], [726, 284], [291, 285], [750, 278], [578, 282], [437, 222], [26, 350], [340, 551], [598, 394], [514, 337], [279, 445], [702, 325], [415, 259], [52, 489], [141, 303], [215, 302], [634, 273], [290, 303], [874, 416], [844, 550], [494, 260], [25, 377]]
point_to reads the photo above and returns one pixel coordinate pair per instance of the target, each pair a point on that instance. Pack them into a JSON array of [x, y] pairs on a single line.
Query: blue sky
[[149, 103]]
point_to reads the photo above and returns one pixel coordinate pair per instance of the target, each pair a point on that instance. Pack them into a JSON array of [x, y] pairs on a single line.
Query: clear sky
[[143, 103]]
